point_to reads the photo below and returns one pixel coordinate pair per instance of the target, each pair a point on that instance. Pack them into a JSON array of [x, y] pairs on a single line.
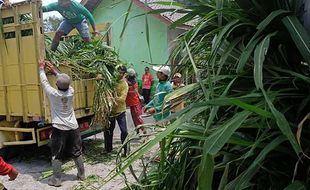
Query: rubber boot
[[56, 178], [80, 168]]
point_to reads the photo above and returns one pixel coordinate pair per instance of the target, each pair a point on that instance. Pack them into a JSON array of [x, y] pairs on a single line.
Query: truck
[[25, 116]]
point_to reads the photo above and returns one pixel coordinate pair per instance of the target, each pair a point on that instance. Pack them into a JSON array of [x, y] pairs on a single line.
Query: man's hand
[[41, 64], [96, 33], [7, 3], [99, 77], [150, 111], [13, 174], [51, 68]]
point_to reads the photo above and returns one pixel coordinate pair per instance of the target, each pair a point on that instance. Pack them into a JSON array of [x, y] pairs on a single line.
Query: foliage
[[250, 59], [50, 24]]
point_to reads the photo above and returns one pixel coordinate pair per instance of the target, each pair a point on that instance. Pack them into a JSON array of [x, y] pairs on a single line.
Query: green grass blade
[[296, 185], [299, 36], [205, 173], [259, 58], [283, 124], [242, 180], [244, 57], [218, 139], [144, 148], [224, 178]]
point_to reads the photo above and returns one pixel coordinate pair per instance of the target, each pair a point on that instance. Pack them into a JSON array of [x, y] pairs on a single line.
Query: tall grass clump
[[241, 128]]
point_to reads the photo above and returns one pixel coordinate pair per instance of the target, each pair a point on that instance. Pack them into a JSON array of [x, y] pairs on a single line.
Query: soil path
[[34, 166]]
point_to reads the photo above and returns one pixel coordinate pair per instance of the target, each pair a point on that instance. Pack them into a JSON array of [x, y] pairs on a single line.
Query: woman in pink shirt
[[147, 81]]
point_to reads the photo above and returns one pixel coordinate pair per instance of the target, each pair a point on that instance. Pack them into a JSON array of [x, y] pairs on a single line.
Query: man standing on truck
[[75, 16], [65, 139]]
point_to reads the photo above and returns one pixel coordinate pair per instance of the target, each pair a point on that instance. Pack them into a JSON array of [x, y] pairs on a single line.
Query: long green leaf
[[205, 174], [299, 35], [218, 139], [296, 185], [242, 181], [144, 148], [283, 124], [259, 58]]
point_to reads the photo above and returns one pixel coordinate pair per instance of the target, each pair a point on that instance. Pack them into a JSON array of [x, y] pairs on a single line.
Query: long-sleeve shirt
[[75, 13], [61, 103], [120, 99], [162, 89], [5, 168]]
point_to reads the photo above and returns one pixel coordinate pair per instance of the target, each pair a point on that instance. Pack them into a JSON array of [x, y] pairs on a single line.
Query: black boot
[[80, 168], [56, 178]]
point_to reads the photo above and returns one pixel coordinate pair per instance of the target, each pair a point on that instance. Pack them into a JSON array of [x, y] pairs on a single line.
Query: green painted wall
[[133, 47]]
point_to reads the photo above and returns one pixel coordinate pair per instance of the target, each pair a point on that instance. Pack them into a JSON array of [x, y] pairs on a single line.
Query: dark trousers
[[146, 93], [108, 134], [66, 144]]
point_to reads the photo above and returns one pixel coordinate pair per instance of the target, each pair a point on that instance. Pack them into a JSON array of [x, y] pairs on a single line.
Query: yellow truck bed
[[21, 46]]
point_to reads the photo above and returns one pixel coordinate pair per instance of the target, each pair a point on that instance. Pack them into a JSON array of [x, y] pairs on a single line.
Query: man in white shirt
[[66, 140]]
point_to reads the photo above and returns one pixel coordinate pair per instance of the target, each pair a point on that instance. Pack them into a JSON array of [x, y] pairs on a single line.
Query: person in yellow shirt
[[118, 111]]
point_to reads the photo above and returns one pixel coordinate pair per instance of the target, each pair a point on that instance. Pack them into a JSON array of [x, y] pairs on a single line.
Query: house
[[133, 46]]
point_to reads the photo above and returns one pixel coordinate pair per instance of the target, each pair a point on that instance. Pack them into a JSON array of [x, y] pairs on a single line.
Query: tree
[[51, 23]]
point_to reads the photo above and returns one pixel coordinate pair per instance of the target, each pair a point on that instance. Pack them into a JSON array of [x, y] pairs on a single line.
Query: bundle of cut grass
[[86, 61]]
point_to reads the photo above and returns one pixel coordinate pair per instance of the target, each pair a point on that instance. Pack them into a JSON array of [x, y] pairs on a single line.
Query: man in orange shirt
[[147, 81]]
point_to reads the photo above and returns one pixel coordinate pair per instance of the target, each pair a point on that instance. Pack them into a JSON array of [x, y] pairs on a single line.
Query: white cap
[[131, 72], [63, 81], [163, 68], [177, 75]]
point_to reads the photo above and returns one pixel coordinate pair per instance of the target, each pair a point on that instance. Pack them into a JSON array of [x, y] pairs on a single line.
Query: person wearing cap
[[147, 81], [118, 112], [133, 100], [176, 84], [66, 140], [5, 3], [163, 88], [7, 169], [75, 16]]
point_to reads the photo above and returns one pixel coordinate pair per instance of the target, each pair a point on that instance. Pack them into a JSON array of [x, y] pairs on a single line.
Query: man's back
[[61, 103]]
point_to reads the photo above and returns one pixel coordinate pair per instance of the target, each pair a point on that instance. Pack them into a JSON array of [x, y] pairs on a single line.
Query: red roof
[[148, 5]]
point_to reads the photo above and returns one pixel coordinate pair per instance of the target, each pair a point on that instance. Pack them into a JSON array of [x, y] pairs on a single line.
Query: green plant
[[251, 62]]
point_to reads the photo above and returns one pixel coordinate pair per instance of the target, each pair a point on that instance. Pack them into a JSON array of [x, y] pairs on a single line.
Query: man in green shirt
[[163, 88], [75, 16]]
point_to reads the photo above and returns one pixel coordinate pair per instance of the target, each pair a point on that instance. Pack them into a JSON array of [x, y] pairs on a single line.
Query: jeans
[[108, 134], [82, 27]]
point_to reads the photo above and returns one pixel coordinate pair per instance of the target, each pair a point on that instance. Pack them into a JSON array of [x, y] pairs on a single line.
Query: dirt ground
[[34, 166]]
